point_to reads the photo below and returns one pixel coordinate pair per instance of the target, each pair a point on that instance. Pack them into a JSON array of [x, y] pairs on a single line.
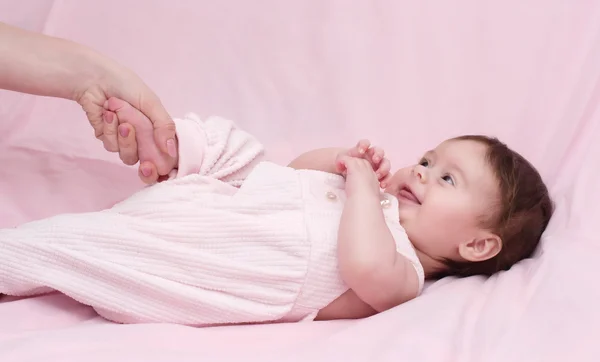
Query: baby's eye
[[448, 179], [424, 162]]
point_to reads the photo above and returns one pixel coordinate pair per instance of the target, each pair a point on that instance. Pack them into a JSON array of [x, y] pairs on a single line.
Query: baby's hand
[[360, 177], [154, 164], [374, 155]]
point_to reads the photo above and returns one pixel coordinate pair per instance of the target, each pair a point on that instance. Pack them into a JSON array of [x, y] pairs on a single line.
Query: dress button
[[331, 196], [386, 203]]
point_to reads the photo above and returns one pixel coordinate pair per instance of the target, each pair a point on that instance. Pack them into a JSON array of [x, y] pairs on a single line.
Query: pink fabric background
[[303, 74]]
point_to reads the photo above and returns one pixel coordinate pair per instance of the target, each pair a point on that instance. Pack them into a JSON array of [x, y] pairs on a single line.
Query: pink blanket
[[312, 73]]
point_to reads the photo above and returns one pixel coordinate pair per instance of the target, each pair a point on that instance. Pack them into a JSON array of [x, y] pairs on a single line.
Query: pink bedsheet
[[302, 74]]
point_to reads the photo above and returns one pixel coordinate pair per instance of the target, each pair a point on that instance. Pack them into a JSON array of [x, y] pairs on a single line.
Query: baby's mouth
[[407, 194]]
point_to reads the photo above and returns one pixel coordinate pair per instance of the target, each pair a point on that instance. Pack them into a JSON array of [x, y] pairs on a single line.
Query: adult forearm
[[43, 65]]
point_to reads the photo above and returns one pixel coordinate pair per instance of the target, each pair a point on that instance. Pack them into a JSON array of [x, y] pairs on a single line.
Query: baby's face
[[443, 197]]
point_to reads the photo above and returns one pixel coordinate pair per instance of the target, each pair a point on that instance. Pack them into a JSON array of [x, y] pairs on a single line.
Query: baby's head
[[472, 206]]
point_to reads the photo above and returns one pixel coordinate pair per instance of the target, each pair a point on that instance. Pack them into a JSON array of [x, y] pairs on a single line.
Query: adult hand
[[123, 84], [39, 64], [136, 141]]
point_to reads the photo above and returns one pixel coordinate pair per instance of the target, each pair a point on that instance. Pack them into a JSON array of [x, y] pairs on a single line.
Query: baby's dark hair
[[522, 213]]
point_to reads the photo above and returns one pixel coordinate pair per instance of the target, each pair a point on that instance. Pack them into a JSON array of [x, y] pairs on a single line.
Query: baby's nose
[[421, 175]]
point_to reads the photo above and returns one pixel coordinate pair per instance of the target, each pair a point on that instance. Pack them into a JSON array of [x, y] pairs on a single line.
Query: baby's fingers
[[342, 163], [384, 169], [363, 146], [340, 166], [347, 164], [360, 149], [385, 181], [376, 154]]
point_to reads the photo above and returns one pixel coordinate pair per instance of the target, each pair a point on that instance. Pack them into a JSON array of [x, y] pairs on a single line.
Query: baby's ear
[[484, 247]]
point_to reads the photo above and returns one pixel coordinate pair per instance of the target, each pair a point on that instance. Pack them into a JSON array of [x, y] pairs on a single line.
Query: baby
[[230, 238]]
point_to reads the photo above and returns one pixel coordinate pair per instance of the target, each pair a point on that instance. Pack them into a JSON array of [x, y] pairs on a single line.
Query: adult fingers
[[105, 129], [128, 150], [148, 173], [109, 134]]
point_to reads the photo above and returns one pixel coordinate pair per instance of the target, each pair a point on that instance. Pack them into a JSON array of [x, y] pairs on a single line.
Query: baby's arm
[[215, 147], [368, 261], [328, 159], [322, 159]]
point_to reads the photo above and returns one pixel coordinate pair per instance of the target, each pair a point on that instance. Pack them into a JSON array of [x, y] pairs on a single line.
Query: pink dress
[[228, 239]]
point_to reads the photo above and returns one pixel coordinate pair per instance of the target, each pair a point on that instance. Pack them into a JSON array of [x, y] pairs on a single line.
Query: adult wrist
[[93, 69]]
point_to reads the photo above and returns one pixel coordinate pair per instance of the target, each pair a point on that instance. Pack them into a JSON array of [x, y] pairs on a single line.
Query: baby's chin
[[412, 236], [405, 225], [405, 221], [403, 215]]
